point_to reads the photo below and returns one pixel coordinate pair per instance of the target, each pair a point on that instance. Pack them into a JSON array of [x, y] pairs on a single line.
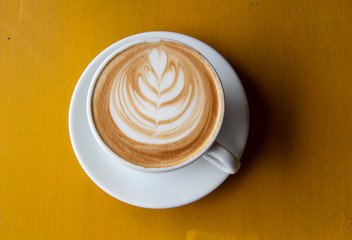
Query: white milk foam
[[163, 108]]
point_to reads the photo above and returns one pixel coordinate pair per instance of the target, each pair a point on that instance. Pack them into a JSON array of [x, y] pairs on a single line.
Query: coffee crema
[[157, 104]]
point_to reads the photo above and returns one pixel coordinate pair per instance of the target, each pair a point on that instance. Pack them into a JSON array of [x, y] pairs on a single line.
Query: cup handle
[[222, 158]]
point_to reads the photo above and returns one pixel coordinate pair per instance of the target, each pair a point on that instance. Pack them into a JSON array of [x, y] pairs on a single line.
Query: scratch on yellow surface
[[204, 235], [191, 235], [20, 11]]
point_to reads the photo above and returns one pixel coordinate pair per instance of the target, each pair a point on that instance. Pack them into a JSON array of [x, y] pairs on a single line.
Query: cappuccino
[[157, 104]]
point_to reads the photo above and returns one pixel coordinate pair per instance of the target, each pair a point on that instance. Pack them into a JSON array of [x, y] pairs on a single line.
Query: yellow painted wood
[[295, 61]]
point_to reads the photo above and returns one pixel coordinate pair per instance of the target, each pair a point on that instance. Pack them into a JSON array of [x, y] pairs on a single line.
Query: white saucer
[[168, 189]]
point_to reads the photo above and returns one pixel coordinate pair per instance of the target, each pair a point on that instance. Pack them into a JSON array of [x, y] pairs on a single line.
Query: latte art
[[157, 101], [157, 104]]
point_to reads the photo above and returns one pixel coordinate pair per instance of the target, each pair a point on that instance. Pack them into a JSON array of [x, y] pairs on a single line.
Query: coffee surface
[[157, 104]]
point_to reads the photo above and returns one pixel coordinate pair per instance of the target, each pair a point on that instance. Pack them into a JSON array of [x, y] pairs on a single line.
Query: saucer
[[166, 189]]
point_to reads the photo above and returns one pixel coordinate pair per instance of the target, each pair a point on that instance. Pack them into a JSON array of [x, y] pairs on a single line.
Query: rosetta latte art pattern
[[157, 104], [157, 99]]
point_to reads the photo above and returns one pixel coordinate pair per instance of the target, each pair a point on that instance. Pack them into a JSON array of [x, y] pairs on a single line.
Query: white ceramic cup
[[214, 152]]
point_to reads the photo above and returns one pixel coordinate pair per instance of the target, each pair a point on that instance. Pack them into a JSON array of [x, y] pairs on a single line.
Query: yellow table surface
[[295, 61]]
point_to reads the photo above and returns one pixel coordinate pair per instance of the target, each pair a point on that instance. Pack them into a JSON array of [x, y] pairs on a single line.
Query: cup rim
[[92, 87]]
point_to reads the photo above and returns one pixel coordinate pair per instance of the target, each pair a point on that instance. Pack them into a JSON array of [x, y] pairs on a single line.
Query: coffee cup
[[157, 105]]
